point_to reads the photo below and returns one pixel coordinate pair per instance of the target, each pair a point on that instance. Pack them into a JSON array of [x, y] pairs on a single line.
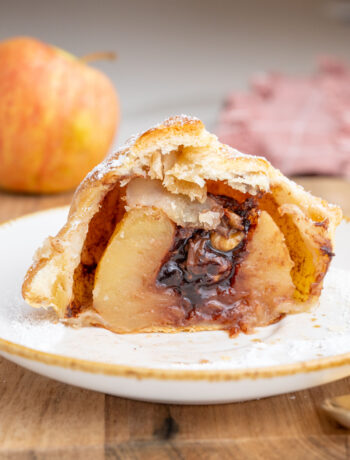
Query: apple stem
[[99, 56]]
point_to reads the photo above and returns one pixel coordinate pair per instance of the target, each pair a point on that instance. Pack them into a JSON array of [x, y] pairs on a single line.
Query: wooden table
[[44, 419]]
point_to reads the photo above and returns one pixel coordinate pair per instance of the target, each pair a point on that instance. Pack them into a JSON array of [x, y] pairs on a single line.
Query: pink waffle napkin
[[301, 124]]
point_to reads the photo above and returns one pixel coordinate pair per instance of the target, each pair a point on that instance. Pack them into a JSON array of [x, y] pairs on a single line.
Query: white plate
[[300, 351]]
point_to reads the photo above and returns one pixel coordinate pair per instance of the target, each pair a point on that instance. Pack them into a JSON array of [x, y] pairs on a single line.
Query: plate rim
[[121, 370]]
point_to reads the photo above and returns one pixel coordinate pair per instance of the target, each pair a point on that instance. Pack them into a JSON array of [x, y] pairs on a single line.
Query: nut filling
[[201, 266]]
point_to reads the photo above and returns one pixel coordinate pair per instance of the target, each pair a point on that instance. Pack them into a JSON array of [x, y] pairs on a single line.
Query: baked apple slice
[[264, 279], [125, 294]]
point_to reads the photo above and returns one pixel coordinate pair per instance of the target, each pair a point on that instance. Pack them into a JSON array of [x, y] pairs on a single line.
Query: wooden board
[[43, 419]]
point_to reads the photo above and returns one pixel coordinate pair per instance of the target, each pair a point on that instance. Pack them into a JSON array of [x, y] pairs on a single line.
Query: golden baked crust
[[187, 160]]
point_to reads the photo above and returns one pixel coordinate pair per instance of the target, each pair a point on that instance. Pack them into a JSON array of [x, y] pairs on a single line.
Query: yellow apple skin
[[58, 117]]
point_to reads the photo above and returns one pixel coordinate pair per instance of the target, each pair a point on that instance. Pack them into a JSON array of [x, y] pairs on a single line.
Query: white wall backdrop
[[183, 56]]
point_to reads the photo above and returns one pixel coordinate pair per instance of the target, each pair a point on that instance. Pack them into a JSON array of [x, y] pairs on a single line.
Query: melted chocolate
[[327, 251], [201, 275]]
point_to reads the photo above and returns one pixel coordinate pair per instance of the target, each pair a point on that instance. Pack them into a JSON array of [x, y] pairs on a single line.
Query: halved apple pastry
[[177, 231]]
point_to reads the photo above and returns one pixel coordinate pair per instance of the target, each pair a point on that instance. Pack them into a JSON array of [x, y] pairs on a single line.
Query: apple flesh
[[125, 292], [265, 274], [58, 117]]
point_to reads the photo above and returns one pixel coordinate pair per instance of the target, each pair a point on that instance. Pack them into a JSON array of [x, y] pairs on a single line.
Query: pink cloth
[[301, 124]]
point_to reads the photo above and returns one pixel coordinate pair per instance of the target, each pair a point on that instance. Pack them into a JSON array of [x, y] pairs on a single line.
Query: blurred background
[[199, 57], [184, 56]]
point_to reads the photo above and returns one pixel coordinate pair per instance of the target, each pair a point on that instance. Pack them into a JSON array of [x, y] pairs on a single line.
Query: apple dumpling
[[177, 231]]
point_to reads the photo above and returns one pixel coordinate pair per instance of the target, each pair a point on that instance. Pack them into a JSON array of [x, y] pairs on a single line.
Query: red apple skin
[[58, 117]]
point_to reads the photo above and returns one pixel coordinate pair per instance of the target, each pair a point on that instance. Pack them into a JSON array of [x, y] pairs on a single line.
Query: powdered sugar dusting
[[109, 164], [116, 159]]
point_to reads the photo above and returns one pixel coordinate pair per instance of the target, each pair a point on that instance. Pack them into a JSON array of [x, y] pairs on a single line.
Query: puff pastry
[[176, 231]]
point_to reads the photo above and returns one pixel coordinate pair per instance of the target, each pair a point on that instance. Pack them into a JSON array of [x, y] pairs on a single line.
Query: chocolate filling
[[201, 275]]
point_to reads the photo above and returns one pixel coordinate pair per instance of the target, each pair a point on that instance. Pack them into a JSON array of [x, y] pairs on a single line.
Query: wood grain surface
[[43, 419]]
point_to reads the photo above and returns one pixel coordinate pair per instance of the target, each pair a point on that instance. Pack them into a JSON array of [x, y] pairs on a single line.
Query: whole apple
[[58, 117]]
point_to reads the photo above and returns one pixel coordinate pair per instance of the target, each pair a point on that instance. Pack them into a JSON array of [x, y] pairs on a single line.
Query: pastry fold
[[177, 231]]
